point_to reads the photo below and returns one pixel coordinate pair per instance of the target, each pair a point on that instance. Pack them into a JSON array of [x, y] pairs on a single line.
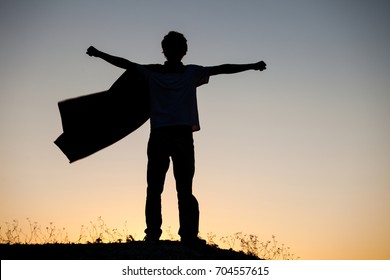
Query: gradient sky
[[300, 151]]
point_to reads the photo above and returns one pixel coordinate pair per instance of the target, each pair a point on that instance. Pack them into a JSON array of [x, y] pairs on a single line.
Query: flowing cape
[[95, 121]]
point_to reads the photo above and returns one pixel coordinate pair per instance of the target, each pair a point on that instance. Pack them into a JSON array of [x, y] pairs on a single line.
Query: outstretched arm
[[236, 68], [114, 60]]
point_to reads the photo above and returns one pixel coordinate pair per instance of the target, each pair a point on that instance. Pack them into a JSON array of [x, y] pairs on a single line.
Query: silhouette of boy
[[174, 118]]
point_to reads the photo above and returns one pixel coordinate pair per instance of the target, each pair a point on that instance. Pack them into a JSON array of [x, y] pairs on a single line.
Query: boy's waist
[[172, 129]]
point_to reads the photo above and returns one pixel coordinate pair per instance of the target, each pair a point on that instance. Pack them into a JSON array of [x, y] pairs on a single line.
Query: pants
[[174, 142]]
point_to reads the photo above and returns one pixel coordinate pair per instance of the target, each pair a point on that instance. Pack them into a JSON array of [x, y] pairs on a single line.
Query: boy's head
[[174, 46]]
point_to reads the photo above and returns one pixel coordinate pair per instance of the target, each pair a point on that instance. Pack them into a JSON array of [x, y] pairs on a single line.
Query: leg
[[158, 164], [184, 168]]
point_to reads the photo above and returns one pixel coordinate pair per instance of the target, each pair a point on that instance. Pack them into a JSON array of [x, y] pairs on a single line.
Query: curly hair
[[174, 45]]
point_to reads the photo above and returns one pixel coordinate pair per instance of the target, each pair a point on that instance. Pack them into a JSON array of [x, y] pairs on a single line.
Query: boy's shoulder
[[167, 68], [153, 67]]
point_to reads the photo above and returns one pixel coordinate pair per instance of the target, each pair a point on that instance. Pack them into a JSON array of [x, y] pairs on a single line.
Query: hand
[[92, 51], [260, 66]]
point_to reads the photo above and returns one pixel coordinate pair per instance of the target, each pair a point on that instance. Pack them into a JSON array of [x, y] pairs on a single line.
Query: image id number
[[242, 270]]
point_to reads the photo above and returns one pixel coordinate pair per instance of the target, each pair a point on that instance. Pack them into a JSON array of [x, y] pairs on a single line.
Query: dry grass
[[99, 233]]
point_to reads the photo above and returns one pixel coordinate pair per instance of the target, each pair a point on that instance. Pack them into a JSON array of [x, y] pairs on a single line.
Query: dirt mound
[[135, 250]]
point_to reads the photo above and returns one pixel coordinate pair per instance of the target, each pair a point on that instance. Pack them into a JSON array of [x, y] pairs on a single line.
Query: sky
[[300, 151]]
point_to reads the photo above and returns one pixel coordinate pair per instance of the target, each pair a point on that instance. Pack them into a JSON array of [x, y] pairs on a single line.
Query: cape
[[93, 122]]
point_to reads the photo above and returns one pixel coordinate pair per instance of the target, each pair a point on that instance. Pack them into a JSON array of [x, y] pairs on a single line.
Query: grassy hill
[[135, 250]]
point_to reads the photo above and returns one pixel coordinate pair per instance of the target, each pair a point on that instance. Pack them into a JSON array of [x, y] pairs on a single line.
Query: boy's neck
[[174, 66], [173, 63]]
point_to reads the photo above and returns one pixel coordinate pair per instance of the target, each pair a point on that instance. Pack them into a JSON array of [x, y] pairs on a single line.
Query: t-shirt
[[173, 94]]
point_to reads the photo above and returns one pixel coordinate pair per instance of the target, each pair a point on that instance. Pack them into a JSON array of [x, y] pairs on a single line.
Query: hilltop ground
[[135, 250]]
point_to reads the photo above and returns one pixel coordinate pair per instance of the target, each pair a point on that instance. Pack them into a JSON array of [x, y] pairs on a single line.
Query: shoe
[[152, 240], [194, 242]]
